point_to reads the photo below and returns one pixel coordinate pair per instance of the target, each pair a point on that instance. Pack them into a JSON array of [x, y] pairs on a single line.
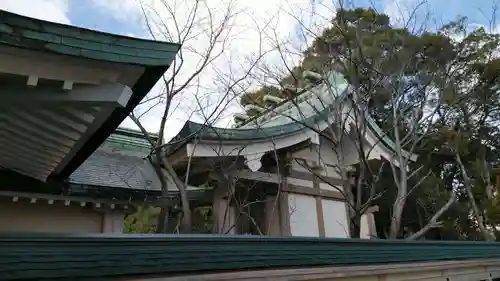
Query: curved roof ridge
[[206, 132]]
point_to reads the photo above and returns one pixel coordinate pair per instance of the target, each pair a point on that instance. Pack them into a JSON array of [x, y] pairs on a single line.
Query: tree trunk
[[488, 236], [433, 223], [397, 214], [355, 226], [186, 224], [162, 224]]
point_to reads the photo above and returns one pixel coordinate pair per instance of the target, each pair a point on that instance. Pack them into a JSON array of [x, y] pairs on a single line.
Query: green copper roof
[[192, 130], [20, 31], [49, 257], [130, 140]]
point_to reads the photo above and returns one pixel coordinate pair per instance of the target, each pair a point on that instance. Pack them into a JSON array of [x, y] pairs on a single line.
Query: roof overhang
[[64, 90], [251, 151], [42, 128]]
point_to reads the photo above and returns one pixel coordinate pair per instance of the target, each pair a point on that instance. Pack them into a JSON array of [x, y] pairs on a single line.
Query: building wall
[[303, 216], [319, 213], [328, 155], [335, 219], [316, 215], [113, 222], [43, 217]]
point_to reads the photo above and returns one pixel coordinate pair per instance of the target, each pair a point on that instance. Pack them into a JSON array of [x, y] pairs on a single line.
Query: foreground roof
[[20, 31], [50, 256], [77, 117]]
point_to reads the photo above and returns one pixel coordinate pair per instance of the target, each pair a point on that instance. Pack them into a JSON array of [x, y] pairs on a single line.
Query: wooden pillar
[[224, 213], [284, 209], [319, 202], [272, 214], [283, 201]]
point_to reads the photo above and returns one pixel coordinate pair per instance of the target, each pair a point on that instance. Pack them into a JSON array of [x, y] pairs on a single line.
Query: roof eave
[[140, 89]]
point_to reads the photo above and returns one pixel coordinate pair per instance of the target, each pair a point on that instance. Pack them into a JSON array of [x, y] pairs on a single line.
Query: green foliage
[[203, 220], [143, 220], [380, 60], [256, 97]]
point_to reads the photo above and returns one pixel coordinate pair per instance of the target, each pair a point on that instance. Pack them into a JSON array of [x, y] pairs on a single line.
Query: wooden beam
[[55, 67], [47, 125], [90, 95], [315, 192], [311, 177], [51, 199], [258, 176], [100, 118], [274, 178], [10, 122], [32, 81], [67, 85]]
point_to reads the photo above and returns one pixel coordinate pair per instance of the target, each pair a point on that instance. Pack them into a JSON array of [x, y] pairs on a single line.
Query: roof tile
[[118, 170]]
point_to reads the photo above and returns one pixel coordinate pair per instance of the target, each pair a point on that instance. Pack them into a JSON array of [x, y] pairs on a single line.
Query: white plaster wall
[[298, 167], [330, 171], [373, 149], [309, 153], [42, 217], [113, 222], [328, 156], [330, 153], [364, 232], [327, 186], [303, 217], [335, 218]]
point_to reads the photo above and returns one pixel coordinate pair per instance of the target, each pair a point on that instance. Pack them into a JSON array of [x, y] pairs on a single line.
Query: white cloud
[[255, 21], [410, 13], [49, 10]]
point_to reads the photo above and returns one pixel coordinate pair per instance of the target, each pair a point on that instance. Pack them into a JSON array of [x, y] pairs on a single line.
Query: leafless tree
[[204, 33], [418, 116]]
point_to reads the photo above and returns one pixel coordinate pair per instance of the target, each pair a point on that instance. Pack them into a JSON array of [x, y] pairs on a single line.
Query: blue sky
[[114, 15], [124, 17], [86, 14]]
